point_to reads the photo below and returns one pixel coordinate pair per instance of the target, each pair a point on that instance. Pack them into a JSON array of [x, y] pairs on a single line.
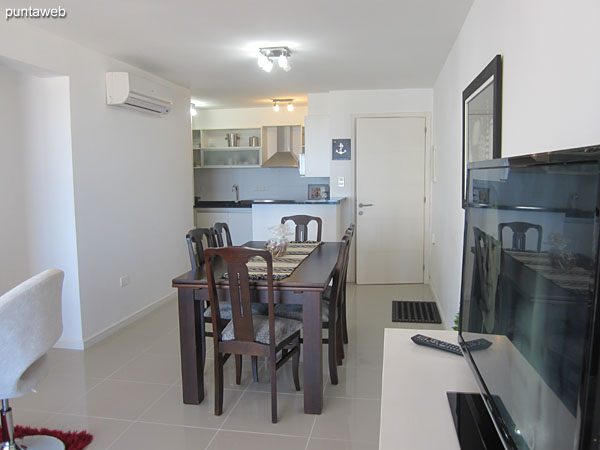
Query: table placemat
[[576, 278], [283, 266]]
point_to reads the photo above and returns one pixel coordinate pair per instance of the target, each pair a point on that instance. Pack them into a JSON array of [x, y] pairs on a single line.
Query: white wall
[[550, 101], [13, 235], [39, 223], [132, 178], [46, 137], [343, 107], [247, 117]]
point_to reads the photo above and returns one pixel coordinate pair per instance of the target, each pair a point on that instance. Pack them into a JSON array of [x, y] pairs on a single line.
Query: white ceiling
[[211, 46]]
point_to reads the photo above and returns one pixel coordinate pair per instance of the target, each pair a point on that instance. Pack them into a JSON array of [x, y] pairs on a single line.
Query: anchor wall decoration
[[340, 149]]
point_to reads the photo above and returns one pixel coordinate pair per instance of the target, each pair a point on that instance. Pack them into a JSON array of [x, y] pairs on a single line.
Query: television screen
[[528, 288]]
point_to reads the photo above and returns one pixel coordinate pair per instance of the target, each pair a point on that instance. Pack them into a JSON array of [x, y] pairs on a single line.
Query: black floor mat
[[416, 312]]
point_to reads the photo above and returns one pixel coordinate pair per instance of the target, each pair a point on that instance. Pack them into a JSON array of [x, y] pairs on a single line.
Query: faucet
[[235, 188]]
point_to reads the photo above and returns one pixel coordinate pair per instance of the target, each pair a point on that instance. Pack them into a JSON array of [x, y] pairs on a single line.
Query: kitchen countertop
[[249, 203]]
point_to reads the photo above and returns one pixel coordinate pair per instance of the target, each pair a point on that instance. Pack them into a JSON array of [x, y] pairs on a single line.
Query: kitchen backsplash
[[256, 184]]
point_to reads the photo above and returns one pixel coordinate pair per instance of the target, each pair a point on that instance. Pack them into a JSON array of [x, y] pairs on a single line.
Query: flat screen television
[[530, 289]]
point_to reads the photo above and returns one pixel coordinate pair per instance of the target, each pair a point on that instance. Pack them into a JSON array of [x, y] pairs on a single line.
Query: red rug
[[73, 440]]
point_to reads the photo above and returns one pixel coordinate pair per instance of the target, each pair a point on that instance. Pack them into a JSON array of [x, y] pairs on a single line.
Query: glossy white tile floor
[[126, 390]]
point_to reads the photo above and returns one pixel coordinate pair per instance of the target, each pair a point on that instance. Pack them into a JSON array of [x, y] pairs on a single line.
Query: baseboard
[[69, 344], [128, 320]]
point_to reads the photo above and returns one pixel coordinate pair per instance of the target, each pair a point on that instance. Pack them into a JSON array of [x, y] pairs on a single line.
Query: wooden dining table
[[304, 286]]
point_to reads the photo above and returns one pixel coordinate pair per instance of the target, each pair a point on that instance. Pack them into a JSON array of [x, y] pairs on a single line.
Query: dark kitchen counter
[[249, 203]]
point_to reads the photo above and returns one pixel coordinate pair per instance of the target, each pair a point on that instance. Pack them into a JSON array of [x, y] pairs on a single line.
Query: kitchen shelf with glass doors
[[227, 148]]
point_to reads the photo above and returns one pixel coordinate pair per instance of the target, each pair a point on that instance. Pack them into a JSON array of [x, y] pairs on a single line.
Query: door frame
[[427, 170]]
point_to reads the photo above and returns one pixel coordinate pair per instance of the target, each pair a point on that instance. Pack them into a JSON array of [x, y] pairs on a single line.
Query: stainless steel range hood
[[281, 142]]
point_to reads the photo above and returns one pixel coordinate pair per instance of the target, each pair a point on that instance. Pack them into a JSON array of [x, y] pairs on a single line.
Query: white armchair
[[30, 324]]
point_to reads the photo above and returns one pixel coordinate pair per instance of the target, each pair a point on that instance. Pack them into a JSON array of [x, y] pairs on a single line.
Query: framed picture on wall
[[482, 118], [318, 192]]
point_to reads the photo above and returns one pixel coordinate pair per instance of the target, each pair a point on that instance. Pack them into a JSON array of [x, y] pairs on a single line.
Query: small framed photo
[[318, 192]]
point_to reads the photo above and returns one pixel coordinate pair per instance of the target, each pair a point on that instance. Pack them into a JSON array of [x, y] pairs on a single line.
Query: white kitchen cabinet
[[317, 148], [240, 225], [239, 221], [207, 217]]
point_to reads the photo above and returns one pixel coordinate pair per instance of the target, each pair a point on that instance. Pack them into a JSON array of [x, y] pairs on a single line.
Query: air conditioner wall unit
[[134, 92]]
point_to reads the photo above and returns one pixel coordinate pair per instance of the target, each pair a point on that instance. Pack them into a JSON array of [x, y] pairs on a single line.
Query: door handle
[[362, 205]]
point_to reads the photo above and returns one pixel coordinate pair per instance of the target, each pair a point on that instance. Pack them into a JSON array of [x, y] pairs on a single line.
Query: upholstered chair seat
[[284, 328]]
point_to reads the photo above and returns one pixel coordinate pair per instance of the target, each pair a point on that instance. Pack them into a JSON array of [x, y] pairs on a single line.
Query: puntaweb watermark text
[[36, 13]]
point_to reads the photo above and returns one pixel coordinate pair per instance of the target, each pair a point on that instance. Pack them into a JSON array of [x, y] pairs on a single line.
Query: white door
[[390, 194]]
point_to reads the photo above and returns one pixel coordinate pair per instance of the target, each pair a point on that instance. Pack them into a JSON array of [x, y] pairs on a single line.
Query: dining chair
[[218, 229], [327, 294], [519, 236], [301, 222], [196, 251], [194, 240], [330, 313], [248, 333], [350, 234]]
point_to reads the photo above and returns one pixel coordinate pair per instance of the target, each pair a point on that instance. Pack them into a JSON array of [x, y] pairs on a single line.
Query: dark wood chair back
[[196, 247], [339, 277], [350, 234], [519, 236], [301, 221], [236, 260], [218, 229], [244, 343]]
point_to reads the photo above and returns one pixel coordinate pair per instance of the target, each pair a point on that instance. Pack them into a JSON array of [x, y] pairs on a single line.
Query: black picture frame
[[482, 118]]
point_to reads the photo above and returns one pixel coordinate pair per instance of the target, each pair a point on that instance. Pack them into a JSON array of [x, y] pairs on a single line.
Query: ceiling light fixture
[[268, 54], [280, 101], [265, 63]]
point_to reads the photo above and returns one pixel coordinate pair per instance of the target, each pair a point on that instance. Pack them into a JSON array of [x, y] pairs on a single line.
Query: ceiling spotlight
[[268, 54], [283, 101], [284, 63], [265, 63], [193, 111]]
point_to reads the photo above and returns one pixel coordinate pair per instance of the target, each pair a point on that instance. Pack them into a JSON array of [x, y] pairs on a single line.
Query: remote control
[[477, 344], [436, 343]]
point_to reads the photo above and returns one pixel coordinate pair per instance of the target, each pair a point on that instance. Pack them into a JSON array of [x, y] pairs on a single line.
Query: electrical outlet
[[124, 280], [341, 181]]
